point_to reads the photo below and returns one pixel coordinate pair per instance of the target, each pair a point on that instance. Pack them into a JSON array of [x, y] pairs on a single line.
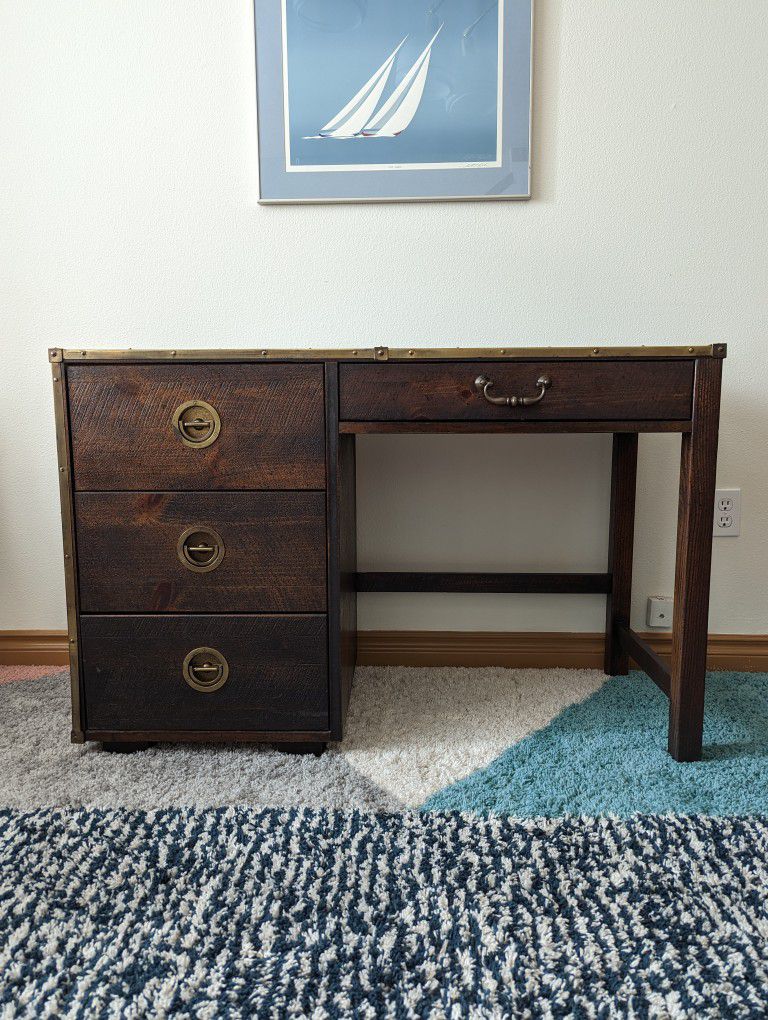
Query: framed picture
[[393, 100]]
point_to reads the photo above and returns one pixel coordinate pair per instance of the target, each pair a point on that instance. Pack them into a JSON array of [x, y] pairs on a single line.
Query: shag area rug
[[484, 843], [529, 743], [301, 913]]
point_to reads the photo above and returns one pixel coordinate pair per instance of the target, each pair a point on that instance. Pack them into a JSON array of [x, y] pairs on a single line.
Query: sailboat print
[[359, 118]]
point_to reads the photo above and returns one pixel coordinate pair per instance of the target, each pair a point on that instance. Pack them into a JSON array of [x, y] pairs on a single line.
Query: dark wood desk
[[208, 506]]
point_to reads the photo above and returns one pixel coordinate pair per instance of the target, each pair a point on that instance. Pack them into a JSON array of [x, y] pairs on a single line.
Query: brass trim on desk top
[[362, 354]]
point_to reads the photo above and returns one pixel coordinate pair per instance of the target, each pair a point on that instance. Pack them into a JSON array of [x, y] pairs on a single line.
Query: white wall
[[128, 216]]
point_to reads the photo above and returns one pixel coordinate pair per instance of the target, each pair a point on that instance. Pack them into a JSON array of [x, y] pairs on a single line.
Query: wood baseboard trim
[[33, 648], [746, 652]]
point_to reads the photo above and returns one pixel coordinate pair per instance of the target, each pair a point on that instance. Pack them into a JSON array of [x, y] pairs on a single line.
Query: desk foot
[[301, 748], [125, 746]]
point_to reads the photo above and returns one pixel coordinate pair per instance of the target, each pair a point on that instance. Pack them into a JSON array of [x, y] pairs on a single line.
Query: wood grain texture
[[647, 658], [477, 649], [580, 390], [698, 466], [132, 671], [34, 648], [539, 649], [347, 570], [508, 427], [66, 497], [342, 557], [283, 739], [473, 583], [621, 539], [272, 429], [274, 560]]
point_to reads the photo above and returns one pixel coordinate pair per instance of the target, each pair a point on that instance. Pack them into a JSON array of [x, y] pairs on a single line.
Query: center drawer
[[201, 552], [553, 390], [215, 673]]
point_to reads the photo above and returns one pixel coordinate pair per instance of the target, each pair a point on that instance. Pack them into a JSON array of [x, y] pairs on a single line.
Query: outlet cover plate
[[727, 523], [659, 611]]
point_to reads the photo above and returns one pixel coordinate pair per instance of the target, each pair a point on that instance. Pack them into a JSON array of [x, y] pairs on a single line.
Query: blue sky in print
[[335, 46]]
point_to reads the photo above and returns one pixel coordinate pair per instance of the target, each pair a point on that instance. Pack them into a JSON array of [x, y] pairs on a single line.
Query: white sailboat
[[359, 118], [400, 109], [352, 119]]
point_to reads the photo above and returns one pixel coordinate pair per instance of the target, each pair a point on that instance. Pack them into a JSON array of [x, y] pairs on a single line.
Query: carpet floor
[[528, 743], [484, 843], [242, 913], [410, 733]]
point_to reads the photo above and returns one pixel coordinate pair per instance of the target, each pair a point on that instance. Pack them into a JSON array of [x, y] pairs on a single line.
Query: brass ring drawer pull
[[205, 670], [196, 423], [200, 548], [483, 384]]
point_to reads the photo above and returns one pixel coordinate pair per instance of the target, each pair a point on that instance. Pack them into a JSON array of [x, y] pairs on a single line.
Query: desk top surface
[[384, 354]]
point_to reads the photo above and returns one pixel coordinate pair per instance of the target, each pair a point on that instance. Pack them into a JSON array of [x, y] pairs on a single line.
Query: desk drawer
[[197, 426], [201, 552], [578, 390], [258, 673]]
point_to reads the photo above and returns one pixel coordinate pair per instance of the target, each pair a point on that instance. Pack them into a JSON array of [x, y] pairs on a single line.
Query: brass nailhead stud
[[596, 350]]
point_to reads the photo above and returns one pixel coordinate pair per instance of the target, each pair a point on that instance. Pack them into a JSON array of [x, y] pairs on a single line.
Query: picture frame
[[393, 100]]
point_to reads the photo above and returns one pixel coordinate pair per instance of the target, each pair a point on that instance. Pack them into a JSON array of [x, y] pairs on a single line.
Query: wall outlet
[[727, 513], [660, 611]]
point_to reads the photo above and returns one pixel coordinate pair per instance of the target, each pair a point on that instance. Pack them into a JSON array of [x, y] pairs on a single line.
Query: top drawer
[[577, 391], [177, 427]]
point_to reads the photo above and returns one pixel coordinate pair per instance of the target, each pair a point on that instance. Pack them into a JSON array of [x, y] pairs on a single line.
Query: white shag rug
[[410, 732]]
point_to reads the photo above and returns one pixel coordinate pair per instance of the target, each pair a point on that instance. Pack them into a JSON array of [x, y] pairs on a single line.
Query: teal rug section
[[607, 755]]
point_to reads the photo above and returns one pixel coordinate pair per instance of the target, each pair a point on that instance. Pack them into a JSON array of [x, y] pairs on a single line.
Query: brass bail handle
[[200, 548], [196, 423], [209, 551], [205, 670], [483, 384]]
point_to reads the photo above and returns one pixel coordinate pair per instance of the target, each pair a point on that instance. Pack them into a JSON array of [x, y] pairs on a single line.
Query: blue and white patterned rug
[[242, 913], [485, 843]]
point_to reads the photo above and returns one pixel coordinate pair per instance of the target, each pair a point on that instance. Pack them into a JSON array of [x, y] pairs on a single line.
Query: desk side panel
[[342, 556]]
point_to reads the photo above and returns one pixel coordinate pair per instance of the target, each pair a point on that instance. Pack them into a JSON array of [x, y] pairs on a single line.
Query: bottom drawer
[[197, 673]]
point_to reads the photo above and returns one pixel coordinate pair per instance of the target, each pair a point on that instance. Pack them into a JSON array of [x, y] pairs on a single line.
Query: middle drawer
[[201, 552]]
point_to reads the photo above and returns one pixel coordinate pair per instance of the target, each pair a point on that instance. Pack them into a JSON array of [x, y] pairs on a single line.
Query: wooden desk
[[208, 507]]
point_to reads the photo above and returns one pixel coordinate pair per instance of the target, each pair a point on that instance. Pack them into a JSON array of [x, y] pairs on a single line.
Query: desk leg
[[621, 540], [698, 463]]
